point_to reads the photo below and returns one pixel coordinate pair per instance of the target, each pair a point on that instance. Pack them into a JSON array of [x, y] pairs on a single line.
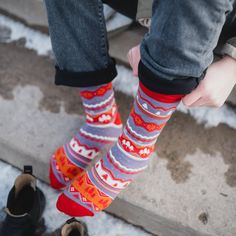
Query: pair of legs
[[174, 55]]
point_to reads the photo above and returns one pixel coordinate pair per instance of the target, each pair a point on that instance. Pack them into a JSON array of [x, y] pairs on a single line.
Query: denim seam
[[103, 42]]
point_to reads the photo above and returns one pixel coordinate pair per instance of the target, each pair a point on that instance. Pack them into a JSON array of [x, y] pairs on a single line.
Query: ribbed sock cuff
[[169, 98]]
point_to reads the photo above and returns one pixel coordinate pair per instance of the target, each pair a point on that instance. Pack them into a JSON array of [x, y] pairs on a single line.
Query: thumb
[[189, 99], [134, 58]]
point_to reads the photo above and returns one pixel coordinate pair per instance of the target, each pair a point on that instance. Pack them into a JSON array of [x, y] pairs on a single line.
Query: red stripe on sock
[[168, 98], [156, 107]]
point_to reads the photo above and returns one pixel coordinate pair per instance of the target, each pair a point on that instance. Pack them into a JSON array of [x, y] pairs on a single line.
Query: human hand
[[214, 89], [134, 58]]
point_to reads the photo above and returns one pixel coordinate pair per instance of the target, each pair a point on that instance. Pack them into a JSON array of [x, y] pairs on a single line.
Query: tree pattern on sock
[[102, 127], [95, 189]]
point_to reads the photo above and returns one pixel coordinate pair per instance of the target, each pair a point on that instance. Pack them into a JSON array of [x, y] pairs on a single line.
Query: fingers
[[192, 98], [199, 103], [134, 58]]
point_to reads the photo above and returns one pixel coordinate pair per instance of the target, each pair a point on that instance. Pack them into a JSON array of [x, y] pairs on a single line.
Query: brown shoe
[[74, 227]]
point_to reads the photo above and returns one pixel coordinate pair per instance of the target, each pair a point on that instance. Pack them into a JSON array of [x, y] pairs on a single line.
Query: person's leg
[[79, 41], [95, 189], [179, 46]]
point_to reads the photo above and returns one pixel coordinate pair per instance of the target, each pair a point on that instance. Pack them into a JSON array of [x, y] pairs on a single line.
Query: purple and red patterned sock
[[102, 128], [95, 189]]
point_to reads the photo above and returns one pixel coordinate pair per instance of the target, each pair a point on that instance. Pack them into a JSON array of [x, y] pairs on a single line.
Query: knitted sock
[[102, 127], [95, 189]]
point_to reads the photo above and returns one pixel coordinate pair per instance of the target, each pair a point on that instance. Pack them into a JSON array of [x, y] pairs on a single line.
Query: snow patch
[[34, 40], [211, 117], [125, 81]]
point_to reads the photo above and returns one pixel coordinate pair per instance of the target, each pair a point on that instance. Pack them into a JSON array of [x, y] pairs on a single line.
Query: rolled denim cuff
[[85, 78], [164, 86]]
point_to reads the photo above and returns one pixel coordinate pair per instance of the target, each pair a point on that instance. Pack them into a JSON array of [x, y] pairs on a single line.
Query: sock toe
[[71, 208]]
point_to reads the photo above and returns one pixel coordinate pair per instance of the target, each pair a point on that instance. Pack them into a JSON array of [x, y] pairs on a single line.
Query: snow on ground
[[102, 224], [34, 39], [108, 12], [125, 81], [212, 117]]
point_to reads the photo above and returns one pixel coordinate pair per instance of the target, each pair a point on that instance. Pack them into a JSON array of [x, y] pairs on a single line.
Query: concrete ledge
[[147, 220], [121, 208]]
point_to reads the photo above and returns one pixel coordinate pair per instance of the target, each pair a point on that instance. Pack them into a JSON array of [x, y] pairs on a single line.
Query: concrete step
[[178, 195]]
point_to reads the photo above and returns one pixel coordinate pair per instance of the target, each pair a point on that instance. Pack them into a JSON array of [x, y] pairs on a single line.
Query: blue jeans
[[174, 54]]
